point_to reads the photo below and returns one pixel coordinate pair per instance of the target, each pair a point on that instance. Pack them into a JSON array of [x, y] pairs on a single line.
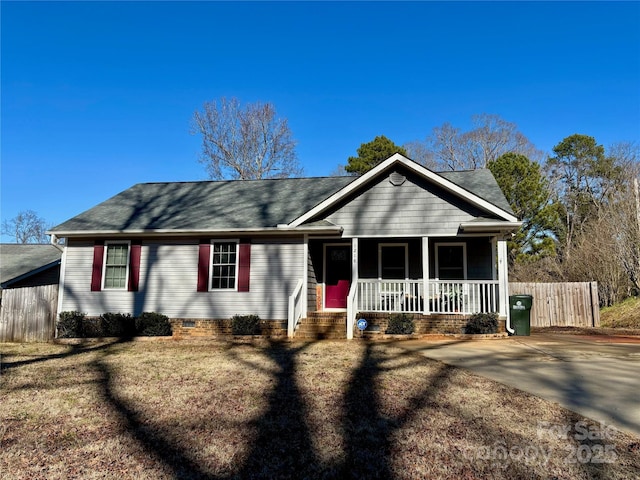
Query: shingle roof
[[482, 183], [239, 204], [19, 260], [202, 206]]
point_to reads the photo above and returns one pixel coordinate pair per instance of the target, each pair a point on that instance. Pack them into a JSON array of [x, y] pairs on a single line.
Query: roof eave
[[279, 230], [481, 227]]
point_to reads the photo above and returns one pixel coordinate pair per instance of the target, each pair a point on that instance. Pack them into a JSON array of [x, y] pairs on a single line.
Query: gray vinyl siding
[[168, 281], [312, 283], [417, 207]]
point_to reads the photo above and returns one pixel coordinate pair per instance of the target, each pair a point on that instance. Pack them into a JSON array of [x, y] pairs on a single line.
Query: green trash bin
[[520, 308]]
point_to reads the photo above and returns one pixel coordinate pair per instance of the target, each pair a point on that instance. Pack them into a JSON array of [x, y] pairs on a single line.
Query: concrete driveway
[[598, 377]]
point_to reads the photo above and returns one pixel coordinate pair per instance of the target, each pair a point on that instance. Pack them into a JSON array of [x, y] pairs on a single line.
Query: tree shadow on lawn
[[577, 451], [74, 349], [283, 446], [162, 449]]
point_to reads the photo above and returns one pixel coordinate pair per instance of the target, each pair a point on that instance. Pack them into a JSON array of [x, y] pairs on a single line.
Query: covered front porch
[[426, 276], [442, 296]]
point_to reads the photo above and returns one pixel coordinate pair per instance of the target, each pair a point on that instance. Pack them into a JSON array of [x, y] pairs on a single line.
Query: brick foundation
[[378, 323], [205, 327], [425, 324]]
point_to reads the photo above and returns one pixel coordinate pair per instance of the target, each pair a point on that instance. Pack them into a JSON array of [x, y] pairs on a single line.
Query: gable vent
[[397, 179]]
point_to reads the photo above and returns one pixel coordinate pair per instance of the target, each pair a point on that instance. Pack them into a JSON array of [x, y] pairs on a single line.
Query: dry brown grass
[[622, 315], [154, 410]]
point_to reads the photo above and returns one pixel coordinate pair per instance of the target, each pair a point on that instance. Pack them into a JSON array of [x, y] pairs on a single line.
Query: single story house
[[400, 238], [29, 265]]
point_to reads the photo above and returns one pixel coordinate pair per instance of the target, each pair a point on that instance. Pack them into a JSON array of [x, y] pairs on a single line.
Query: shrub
[[152, 324], [245, 325], [482, 323], [401, 324], [117, 325], [91, 328], [71, 324]]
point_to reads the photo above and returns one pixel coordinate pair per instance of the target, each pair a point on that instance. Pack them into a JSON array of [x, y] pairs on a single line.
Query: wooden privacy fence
[[28, 314], [572, 304]]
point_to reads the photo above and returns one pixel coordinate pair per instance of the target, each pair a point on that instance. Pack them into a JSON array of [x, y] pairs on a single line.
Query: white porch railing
[[465, 297], [295, 309], [390, 295]]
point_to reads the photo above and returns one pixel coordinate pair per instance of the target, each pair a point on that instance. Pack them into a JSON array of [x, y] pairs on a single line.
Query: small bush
[[92, 328], [245, 325], [71, 324], [482, 323], [152, 324], [401, 324], [117, 325]]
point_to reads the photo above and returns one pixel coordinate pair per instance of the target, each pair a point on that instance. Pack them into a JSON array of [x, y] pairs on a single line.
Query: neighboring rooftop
[[19, 261]]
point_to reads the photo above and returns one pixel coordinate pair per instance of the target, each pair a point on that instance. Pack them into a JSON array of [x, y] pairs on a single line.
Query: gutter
[[490, 227], [279, 230]]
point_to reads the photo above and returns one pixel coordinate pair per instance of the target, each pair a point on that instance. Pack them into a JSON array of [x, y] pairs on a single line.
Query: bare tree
[[248, 142], [419, 152], [623, 217], [449, 148], [26, 227], [586, 179], [607, 248]]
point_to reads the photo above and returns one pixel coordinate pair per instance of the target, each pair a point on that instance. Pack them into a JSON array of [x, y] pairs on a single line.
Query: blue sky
[[97, 97]]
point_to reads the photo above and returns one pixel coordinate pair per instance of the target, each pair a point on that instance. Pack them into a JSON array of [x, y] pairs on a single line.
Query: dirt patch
[[612, 332]]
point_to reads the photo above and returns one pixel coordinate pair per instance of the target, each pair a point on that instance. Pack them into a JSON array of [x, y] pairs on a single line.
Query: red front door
[[337, 275]]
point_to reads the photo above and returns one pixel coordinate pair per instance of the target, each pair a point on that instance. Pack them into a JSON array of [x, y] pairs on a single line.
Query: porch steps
[[322, 325]]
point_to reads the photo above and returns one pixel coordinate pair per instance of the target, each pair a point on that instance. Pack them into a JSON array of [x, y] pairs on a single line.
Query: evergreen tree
[[371, 154]]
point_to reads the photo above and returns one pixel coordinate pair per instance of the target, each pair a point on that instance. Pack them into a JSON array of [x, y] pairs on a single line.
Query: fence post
[[595, 305]]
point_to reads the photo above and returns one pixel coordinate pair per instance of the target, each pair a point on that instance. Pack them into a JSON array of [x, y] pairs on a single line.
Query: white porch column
[[305, 275], [425, 275], [351, 299], [503, 283]]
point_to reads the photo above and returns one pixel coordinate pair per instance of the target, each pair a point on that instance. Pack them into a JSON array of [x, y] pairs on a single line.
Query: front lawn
[[189, 409]]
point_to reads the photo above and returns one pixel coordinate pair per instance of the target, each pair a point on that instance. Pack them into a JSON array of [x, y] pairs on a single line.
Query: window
[[451, 261], [224, 265], [393, 261], [116, 265]]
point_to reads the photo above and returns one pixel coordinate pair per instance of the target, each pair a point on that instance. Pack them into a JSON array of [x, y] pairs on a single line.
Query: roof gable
[[487, 182]]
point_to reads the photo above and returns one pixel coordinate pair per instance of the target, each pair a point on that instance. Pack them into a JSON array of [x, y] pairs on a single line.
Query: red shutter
[[96, 271], [134, 265], [244, 264], [204, 257]]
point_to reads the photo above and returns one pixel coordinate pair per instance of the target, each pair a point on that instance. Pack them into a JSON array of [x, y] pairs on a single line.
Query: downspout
[[508, 326]]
